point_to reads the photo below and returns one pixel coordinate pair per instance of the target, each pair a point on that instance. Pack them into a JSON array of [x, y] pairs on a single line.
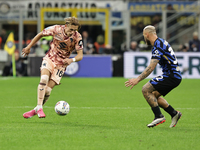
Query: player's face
[[146, 38], [70, 29], [147, 42]]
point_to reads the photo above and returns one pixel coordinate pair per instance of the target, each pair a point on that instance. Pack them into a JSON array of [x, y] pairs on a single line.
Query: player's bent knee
[[147, 88], [44, 79], [156, 94]]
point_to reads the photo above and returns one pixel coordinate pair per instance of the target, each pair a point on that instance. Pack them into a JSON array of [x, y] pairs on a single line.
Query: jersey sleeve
[[156, 54], [79, 43], [49, 31]]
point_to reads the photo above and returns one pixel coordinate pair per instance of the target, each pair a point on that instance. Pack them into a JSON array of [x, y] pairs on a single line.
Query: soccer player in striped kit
[[66, 38], [163, 54]]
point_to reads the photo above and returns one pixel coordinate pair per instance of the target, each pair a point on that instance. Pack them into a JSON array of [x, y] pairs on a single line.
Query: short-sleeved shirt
[[62, 46], [163, 52]]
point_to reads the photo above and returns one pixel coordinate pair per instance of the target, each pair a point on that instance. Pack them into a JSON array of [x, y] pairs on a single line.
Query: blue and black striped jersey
[[163, 52]]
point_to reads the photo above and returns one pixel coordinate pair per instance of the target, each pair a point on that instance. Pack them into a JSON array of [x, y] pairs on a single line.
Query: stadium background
[[118, 21], [104, 114]]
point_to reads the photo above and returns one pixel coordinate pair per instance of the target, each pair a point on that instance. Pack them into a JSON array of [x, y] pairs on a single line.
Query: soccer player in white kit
[[66, 38]]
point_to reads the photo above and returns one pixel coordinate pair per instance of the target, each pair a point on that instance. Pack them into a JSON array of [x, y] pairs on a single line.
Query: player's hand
[[26, 51], [67, 61], [131, 82]]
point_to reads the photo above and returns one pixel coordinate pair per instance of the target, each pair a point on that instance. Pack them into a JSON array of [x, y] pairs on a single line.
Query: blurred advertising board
[[89, 66], [10, 9], [136, 62]]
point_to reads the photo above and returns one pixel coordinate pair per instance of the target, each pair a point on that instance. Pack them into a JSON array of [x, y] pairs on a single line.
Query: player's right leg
[[29, 114], [41, 92], [45, 74], [147, 91]]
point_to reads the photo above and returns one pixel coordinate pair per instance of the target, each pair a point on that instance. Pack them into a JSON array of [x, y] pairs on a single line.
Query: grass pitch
[[104, 115]]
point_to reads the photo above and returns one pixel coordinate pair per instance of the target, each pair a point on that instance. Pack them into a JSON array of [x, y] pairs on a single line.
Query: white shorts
[[56, 71]]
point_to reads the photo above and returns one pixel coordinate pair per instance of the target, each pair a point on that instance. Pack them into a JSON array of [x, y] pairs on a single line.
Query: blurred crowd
[[91, 47], [98, 46], [21, 67], [192, 45]]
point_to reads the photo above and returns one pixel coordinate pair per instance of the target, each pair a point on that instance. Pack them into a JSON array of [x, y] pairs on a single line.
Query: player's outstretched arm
[[132, 82], [27, 50]]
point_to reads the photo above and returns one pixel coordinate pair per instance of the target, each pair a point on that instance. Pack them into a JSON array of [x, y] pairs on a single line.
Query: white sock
[[38, 107]]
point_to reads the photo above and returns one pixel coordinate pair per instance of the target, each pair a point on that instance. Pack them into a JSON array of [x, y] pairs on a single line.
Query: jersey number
[[159, 78], [173, 54], [60, 73]]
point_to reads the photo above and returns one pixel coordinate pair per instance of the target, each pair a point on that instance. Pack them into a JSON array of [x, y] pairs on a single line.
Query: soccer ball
[[62, 108]]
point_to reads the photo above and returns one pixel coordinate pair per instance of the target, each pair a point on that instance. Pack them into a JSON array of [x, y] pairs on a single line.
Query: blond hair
[[150, 29], [72, 21]]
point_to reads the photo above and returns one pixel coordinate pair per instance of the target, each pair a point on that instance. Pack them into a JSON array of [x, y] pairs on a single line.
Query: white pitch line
[[6, 78], [93, 107], [73, 107]]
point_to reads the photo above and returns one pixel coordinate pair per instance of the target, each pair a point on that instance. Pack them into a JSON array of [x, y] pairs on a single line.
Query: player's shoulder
[[78, 35], [59, 26], [158, 46], [53, 27], [160, 43], [56, 26]]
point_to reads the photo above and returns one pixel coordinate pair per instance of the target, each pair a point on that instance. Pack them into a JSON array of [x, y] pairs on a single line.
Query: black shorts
[[164, 84]]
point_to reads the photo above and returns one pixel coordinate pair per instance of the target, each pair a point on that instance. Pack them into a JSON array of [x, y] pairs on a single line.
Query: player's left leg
[[55, 78], [47, 94], [175, 115], [147, 91], [168, 108], [48, 90]]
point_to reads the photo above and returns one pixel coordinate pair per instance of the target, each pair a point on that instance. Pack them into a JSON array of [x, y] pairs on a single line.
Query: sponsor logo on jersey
[[156, 53]]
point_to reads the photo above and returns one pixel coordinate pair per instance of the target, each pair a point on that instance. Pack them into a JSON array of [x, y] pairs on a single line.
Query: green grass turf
[[104, 115]]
